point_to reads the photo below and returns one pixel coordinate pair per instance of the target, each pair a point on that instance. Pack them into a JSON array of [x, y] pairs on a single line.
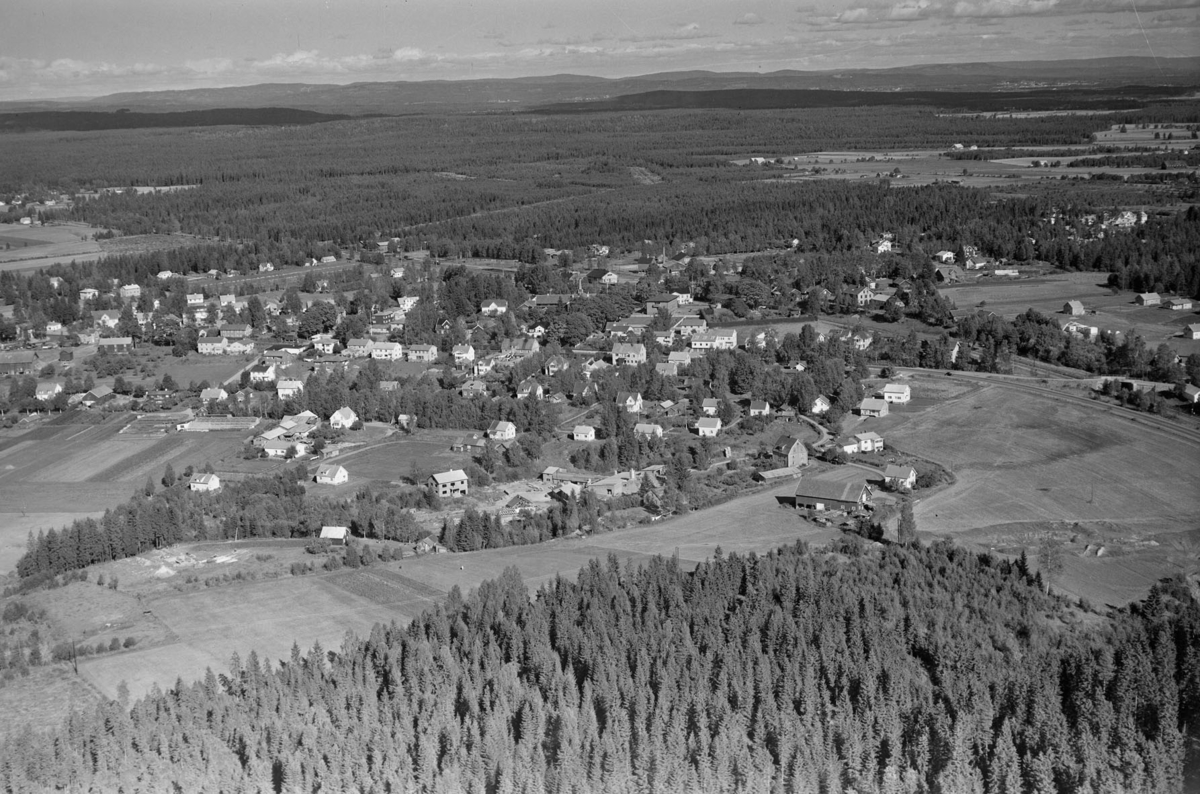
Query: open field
[[1025, 461], [395, 458], [215, 623], [197, 368], [55, 473], [1106, 310], [28, 247]]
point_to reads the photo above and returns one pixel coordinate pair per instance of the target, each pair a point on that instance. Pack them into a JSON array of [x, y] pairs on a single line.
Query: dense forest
[[868, 669]]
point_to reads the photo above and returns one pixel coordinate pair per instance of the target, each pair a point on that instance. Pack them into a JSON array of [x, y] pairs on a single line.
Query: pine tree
[[906, 530]]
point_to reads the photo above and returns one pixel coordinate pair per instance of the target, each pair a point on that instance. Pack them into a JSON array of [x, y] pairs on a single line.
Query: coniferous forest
[[867, 669]]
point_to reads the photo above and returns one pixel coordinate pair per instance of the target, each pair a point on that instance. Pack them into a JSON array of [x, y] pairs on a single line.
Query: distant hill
[[973, 101], [525, 92], [88, 121]]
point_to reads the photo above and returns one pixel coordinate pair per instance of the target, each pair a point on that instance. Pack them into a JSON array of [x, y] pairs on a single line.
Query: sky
[[79, 48]]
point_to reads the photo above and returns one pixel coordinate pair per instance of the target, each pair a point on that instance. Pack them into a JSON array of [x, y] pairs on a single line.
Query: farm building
[[794, 450], [708, 427], [97, 395], [502, 431], [1179, 304], [1147, 299], [341, 534], [279, 448], [900, 477], [896, 393], [1073, 308], [331, 474], [449, 483], [584, 433], [775, 475], [115, 344], [428, 545], [817, 493], [873, 407], [343, 419], [205, 482]]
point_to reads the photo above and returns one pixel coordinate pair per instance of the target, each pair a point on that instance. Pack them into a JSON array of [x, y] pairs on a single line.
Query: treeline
[[1038, 336], [873, 670]]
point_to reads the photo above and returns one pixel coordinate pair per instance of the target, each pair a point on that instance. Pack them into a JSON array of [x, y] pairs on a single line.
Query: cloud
[[748, 19], [909, 10]]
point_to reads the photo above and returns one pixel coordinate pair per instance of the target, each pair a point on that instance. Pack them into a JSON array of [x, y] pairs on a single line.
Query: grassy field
[[55, 473], [215, 623], [28, 247], [394, 459], [1107, 311], [1025, 462]]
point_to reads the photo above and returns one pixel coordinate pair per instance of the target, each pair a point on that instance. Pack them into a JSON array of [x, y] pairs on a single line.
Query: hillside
[[524, 92]]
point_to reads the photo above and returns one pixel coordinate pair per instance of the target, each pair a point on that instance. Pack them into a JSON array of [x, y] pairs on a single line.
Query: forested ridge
[[868, 669]]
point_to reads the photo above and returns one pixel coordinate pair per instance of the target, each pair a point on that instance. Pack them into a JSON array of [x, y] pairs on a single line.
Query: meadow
[[399, 456], [58, 472], [28, 247]]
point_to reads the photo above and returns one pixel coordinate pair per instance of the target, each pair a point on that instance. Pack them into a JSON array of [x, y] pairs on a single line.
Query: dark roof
[[830, 490]]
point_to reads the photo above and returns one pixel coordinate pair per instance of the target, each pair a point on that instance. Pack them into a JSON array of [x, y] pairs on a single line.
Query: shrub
[[101, 646], [115, 644], [129, 642]]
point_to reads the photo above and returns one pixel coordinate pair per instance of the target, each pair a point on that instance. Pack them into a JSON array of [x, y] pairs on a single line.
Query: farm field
[[926, 166], [29, 247], [1023, 460], [213, 624], [56, 473]]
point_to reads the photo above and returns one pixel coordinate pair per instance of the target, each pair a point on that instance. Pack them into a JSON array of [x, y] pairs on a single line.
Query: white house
[[130, 291], [205, 482], [332, 474], [760, 408], [708, 426], [208, 395], [869, 442], [387, 351], [502, 431], [463, 354], [494, 307], [626, 353], [710, 405], [262, 373], [715, 339], [631, 401], [289, 388], [648, 430], [342, 419], [335, 534], [424, 353], [449, 483], [900, 477], [873, 407], [584, 433], [896, 393]]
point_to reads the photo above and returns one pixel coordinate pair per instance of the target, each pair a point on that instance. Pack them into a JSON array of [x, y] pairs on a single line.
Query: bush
[[101, 646], [264, 557], [115, 644], [129, 642]]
